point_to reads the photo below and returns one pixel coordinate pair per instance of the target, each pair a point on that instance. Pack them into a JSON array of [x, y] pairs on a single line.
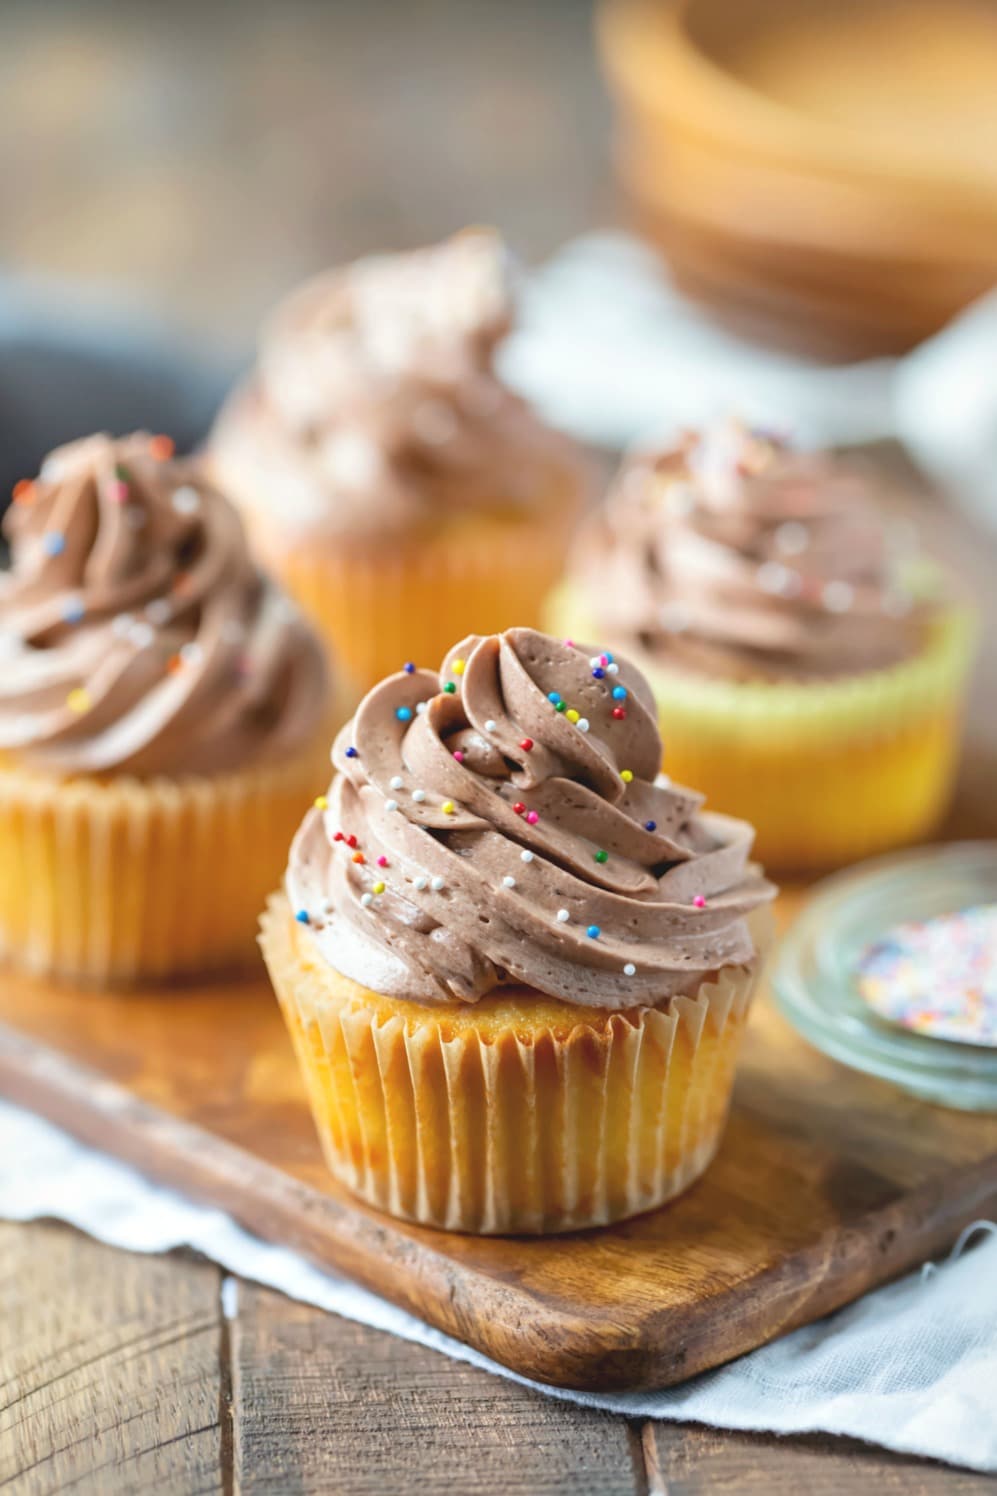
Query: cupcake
[[162, 713], [809, 668], [515, 963], [396, 487]]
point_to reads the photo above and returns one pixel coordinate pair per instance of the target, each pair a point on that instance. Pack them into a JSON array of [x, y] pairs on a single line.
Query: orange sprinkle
[[161, 447], [358, 857], [173, 664], [24, 491]]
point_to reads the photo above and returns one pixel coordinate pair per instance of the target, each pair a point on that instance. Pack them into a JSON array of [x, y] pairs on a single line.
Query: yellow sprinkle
[[626, 775], [448, 807], [572, 715], [321, 803], [458, 667], [78, 700], [378, 888]]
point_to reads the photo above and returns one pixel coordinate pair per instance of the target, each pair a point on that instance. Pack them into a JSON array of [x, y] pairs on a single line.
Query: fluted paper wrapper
[[118, 881], [826, 771], [381, 600], [466, 1122]]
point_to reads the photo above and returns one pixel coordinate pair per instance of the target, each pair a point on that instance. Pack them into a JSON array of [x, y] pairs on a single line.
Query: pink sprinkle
[[604, 659], [459, 756], [532, 817], [570, 643], [382, 861], [119, 493], [699, 901]]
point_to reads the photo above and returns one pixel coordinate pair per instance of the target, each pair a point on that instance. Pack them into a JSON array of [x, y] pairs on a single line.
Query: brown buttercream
[[476, 834], [731, 554], [375, 408], [135, 633]]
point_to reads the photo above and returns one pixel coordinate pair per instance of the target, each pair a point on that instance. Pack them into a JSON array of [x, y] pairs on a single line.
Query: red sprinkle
[[358, 857], [526, 744], [699, 901], [619, 713], [351, 841], [339, 836], [519, 807]]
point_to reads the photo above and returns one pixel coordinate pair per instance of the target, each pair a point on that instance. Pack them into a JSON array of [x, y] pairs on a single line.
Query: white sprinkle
[[508, 882], [122, 625], [396, 781], [421, 883], [791, 538], [418, 796], [141, 635], [774, 578], [191, 653], [366, 899], [582, 724], [158, 611], [526, 856], [423, 706], [630, 970], [391, 805], [186, 500], [838, 597], [436, 883], [563, 916], [490, 725], [612, 668], [596, 662]]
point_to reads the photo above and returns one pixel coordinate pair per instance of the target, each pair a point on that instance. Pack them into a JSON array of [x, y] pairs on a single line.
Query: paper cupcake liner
[[827, 772], [380, 603], [538, 1119], [118, 881]]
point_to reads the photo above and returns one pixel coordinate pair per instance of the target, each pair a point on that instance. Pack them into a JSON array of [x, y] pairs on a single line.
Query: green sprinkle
[[601, 856], [450, 688], [559, 706]]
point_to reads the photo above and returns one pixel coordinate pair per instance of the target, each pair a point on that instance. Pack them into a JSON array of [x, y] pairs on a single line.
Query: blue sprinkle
[[351, 753], [302, 916], [54, 543], [593, 932], [403, 713], [73, 611], [409, 668], [609, 657], [598, 672], [619, 693], [650, 825], [554, 696]]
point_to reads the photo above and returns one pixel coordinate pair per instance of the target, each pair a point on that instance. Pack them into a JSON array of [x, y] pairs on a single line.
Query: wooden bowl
[[824, 173]]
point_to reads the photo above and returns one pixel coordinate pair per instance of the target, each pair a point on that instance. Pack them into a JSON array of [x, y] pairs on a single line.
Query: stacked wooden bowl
[[821, 172]]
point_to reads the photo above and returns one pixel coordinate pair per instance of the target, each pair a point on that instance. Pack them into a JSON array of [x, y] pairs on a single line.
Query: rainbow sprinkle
[[937, 977]]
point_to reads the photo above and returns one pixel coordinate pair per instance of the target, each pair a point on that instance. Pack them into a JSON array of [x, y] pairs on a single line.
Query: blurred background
[[820, 177]]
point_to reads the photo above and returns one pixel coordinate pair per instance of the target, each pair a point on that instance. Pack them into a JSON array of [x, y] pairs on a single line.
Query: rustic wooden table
[[206, 155]]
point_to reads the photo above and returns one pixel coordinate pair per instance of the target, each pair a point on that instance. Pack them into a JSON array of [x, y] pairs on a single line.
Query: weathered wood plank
[[321, 1404], [109, 1369], [684, 1460]]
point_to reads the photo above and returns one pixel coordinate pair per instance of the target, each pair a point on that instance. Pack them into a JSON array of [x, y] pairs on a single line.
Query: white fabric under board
[[912, 1367]]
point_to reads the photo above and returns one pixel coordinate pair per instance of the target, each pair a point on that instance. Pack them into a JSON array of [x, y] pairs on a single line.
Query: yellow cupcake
[[810, 674], [388, 478], [515, 970], [163, 718]]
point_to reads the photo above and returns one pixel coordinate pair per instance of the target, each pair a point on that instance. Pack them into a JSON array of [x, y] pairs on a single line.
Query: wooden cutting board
[[827, 1184]]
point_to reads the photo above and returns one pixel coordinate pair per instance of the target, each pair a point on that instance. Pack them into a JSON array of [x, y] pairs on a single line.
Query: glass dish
[[813, 973]]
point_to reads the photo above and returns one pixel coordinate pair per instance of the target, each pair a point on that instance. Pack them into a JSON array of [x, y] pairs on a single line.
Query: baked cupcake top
[[733, 555], [375, 407], [135, 633], [503, 821]]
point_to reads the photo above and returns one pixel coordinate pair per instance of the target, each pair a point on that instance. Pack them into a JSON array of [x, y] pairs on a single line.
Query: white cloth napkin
[[912, 1367], [611, 351]]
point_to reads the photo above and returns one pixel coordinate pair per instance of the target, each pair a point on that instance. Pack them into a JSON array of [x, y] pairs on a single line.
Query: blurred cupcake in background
[[398, 489], [163, 720], [809, 666]]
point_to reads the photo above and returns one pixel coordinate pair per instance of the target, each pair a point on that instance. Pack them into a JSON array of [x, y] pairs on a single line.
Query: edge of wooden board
[[501, 1319]]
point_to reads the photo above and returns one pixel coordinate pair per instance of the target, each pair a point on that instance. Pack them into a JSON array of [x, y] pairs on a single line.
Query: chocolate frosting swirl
[[733, 555], [503, 822], [135, 633], [375, 408]]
